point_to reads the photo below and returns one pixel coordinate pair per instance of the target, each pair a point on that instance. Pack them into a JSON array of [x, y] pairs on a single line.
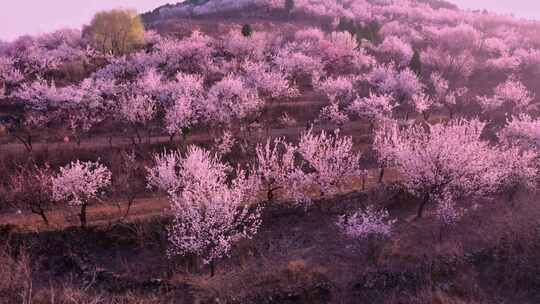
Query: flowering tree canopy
[[208, 209], [80, 182], [445, 161]]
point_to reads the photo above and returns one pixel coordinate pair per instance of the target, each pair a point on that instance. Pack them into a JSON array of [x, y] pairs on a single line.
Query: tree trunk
[[441, 228], [139, 139], [29, 141], [363, 183], [44, 217], [130, 203], [511, 195], [426, 115], [423, 205], [212, 269], [270, 195], [26, 142], [42, 214], [381, 175], [82, 215]]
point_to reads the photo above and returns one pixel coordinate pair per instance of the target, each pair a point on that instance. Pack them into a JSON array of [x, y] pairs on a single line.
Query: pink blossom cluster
[[403, 85], [396, 50], [450, 160], [367, 224], [512, 93], [339, 90], [333, 114], [80, 182], [269, 82], [276, 166], [448, 213], [374, 108], [231, 99], [521, 130], [330, 159], [209, 214]]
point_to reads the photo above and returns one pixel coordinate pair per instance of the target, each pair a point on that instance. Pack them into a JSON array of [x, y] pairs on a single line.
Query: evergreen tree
[[247, 30], [416, 63], [289, 5]]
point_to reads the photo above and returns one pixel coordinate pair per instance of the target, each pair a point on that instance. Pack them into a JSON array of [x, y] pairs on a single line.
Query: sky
[[19, 17], [529, 9]]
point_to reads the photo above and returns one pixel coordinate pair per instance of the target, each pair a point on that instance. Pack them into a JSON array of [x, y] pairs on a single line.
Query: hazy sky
[[520, 8], [18, 17]]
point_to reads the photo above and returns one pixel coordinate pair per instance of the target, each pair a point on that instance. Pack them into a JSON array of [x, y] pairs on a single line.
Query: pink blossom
[[85, 105], [338, 90], [495, 47], [225, 143], [456, 38], [297, 65], [271, 83], [512, 93], [443, 95], [341, 53], [401, 30], [504, 64], [454, 67], [448, 159], [333, 114], [180, 115], [396, 50], [517, 169], [80, 182], [189, 55], [330, 159], [402, 85], [521, 130], [373, 108], [274, 165], [152, 37], [529, 59], [164, 174], [9, 74], [40, 95], [448, 213], [230, 99], [208, 210], [423, 104], [241, 47], [186, 109], [287, 120], [366, 224], [136, 109], [310, 35]]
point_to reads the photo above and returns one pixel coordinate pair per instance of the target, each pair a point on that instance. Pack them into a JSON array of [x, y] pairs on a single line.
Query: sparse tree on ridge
[[117, 31]]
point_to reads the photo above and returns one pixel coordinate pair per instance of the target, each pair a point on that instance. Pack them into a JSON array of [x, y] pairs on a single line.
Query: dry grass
[[16, 284]]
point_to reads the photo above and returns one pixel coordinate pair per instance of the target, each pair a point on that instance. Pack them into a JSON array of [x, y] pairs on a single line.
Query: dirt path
[[103, 141], [113, 211]]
